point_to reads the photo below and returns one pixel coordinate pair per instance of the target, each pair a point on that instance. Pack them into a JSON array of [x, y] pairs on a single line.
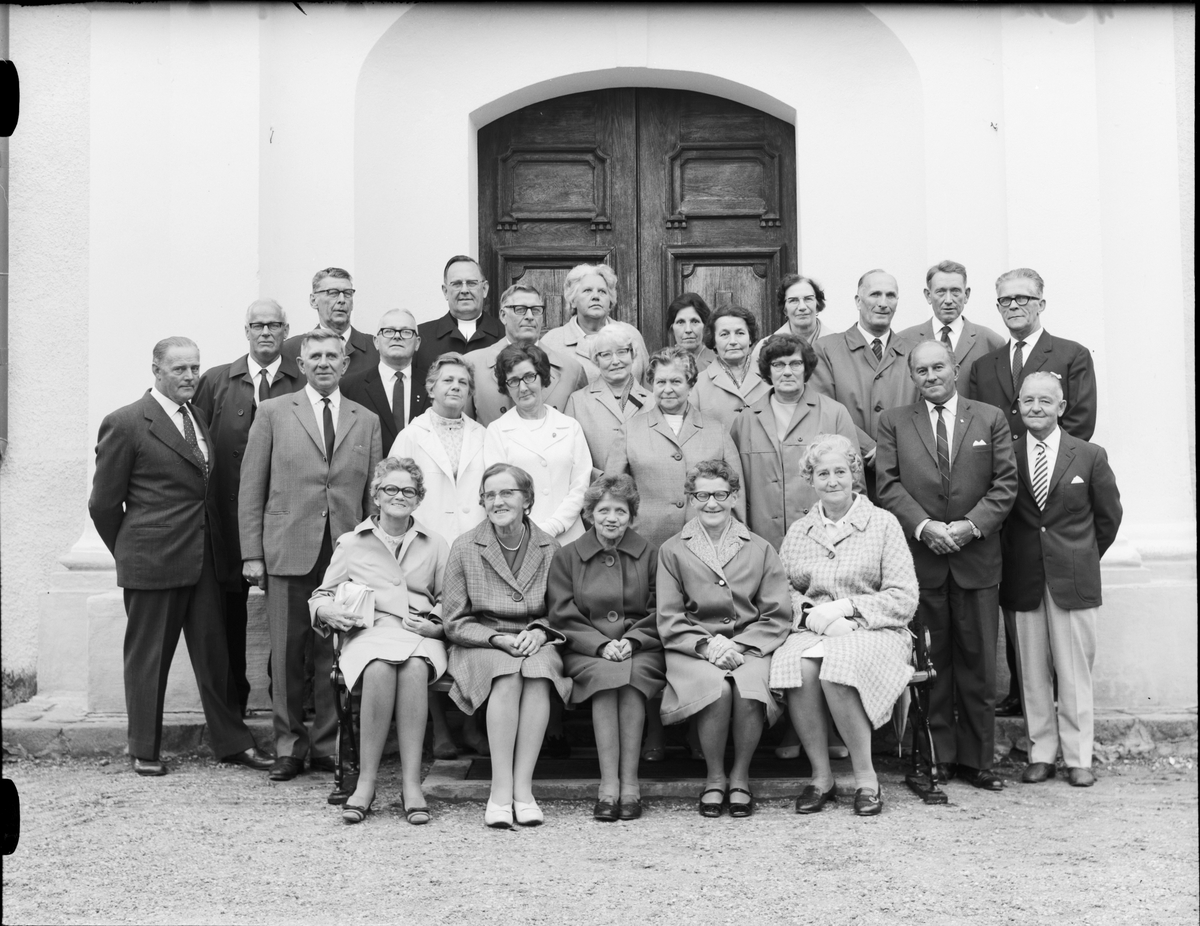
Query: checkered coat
[[481, 598]]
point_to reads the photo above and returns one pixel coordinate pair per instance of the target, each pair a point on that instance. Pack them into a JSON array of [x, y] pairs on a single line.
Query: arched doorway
[[677, 191]]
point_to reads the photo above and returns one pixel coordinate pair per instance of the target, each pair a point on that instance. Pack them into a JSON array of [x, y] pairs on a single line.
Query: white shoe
[[787, 752], [528, 814], [499, 816], [839, 752]]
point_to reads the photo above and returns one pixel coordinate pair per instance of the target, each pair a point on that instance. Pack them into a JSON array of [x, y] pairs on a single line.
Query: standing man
[[391, 390], [155, 507], [305, 482], [947, 293], [1066, 516], [997, 377], [227, 398], [946, 471], [464, 327], [522, 312], [863, 367], [333, 298]]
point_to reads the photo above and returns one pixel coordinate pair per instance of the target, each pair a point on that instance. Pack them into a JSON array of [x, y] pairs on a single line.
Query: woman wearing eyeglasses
[[401, 652], [723, 608], [504, 650], [801, 300], [731, 382], [541, 440], [614, 396]]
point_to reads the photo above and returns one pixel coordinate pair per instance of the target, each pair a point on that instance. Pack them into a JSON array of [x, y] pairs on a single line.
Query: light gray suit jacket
[[290, 493], [974, 342]]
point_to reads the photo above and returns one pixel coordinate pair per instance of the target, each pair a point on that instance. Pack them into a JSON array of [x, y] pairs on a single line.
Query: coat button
[[232, 497], [324, 514], [544, 463], [236, 453], [878, 407], [609, 560], [1043, 530], [241, 412], [721, 582], [398, 582], [466, 509], [613, 617], [679, 504], [831, 556], [517, 596], [677, 455], [806, 511], [726, 620], [503, 409]]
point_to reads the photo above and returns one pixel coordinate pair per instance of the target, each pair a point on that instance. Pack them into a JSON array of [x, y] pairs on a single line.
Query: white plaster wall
[[42, 483]]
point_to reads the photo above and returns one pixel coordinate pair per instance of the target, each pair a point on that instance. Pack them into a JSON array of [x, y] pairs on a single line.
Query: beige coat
[[601, 416], [717, 396]]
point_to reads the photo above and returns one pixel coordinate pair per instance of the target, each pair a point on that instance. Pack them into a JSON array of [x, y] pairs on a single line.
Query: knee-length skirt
[[644, 671], [388, 639], [474, 668], [694, 683], [874, 662]]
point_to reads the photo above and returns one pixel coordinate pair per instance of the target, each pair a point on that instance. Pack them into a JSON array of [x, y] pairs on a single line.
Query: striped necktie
[[1018, 366], [946, 338], [943, 451], [1041, 477], [189, 435], [877, 349]]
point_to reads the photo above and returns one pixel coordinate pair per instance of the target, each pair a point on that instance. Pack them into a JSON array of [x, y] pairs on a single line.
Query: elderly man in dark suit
[[332, 297], [465, 326], [946, 471], [305, 482], [227, 398], [391, 390], [947, 293], [154, 505], [1066, 516]]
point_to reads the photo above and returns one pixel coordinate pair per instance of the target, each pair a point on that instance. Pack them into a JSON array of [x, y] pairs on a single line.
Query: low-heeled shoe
[[981, 778], [285, 768], [1037, 772], [322, 763], [528, 813], [1080, 777], [868, 802], [629, 810], [740, 808], [354, 813], [715, 808], [498, 816], [251, 758], [944, 771], [1009, 707], [151, 768], [605, 812], [813, 800]]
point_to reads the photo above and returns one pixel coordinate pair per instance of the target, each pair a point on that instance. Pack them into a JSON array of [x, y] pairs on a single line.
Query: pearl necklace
[[507, 547]]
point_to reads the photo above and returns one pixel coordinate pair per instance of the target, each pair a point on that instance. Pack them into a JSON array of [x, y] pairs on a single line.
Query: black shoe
[[605, 812], [251, 758], [1009, 707], [556, 747], [813, 800], [322, 763], [1036, 772], [981, 778], [629, 810], [152, 768], [943, 772], [868, 803], [714, 808], [285, 768], [740, 808], [1080, 777]]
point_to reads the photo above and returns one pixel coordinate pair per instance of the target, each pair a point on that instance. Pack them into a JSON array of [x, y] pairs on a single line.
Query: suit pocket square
[[979, 443], [1077, 481]]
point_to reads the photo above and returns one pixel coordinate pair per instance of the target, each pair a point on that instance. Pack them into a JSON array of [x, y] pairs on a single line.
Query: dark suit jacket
[[991, 382], [367, 390], [983, 484], [225, 400], [360, 348], [1061, 546], [442, 336], [149, 501], [975, 342]]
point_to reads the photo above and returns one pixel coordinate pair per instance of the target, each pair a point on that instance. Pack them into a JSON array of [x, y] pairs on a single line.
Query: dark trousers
[[235, 638], [963, 625], [290, 628], [156, 616]]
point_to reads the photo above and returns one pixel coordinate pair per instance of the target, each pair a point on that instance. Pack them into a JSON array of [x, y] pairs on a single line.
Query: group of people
[[724, 531]]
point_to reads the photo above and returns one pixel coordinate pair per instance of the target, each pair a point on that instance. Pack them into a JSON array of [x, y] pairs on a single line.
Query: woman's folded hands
[[723, 653], [831, 618], [525, 643], [617, 650], [338, 618]]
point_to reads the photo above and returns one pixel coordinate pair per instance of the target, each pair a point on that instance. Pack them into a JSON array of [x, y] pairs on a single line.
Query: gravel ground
[[213, 844]]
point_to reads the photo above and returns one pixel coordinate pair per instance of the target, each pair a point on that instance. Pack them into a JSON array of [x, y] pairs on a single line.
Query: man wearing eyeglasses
[[227, 398], [522, 312], [333, 298], [391, 390], [464, 327]]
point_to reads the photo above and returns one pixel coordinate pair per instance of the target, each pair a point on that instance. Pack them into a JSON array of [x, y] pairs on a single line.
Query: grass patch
[[17, 686]]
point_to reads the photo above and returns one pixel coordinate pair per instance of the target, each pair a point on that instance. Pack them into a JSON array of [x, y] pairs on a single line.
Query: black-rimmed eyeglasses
[[1005, 302], [392, 491], [257, 327], [334, 293], [404, 334], [705, 496]]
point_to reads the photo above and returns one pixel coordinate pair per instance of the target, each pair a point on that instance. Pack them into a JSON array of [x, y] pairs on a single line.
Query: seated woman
[[504, 652], [854, 591], [602, 601], [401, 652], [722, 610]]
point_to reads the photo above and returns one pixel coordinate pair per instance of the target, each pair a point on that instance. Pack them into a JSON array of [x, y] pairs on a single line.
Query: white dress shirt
[[335, 402], [172, 408], [885, 337], [256, 372], [467, 326], [956, 330], [1051, 443], [1026, 350], [387, 376]]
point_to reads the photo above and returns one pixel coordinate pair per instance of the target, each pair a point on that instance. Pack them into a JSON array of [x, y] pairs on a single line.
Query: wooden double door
[[676, 191]]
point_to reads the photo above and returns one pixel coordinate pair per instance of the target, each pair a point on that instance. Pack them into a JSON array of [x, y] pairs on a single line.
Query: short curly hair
[[677, 356], [730, 311], [784, 345], [398, 464], [711, 469], [515, 354], [620, 486], [824, 444], [450, 359]]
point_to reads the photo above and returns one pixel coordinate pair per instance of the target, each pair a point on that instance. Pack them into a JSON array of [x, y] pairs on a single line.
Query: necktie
[[189, 435], [1018, 365], [327, 424], [1041, 477], [877, 349], [946, 337], [398, 402], [264, 386], [943, 451]]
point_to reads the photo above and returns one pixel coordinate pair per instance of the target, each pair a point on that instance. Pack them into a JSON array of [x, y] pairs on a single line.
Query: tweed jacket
[[570, 339], [718, 397], [482, 597], [983, 486], [748, 601], [658, 461], [1060, 546], [776, 494], [225, 398], [451, 501], [847, 372], [150, 500], [360, 348], [290, 494], [601, 416], [974, 342], [487, 404]]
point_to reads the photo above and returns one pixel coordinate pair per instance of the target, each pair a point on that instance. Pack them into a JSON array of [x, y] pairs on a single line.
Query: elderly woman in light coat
[[854, 592], [614, 396], [730, 382]]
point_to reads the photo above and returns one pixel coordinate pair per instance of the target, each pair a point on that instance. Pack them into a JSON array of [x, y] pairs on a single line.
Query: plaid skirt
[[644, 671], [474, 668], [693, 683]]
